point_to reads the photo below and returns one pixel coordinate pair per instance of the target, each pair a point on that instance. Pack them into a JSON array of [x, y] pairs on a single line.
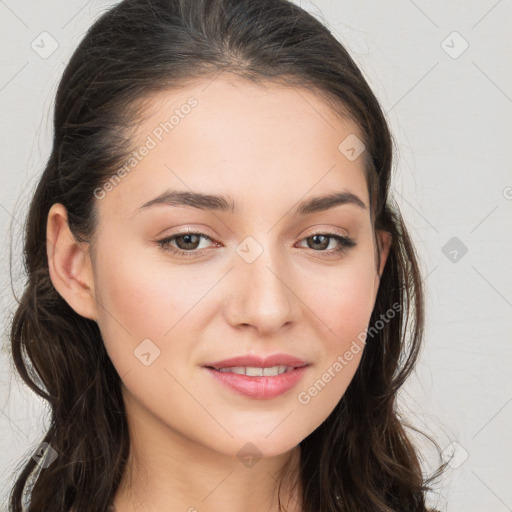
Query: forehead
[[253, 142]]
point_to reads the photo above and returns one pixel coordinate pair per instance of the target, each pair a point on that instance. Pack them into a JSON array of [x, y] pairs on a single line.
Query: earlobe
[[69, 264]]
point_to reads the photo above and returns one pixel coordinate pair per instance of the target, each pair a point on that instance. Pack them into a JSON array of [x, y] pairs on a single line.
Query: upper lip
[[259, 361]]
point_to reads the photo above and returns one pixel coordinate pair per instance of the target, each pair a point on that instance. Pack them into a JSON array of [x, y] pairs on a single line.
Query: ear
[[69, 264], [384, 240]]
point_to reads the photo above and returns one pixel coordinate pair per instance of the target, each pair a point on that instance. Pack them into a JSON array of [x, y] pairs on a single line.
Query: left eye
[[187, 243]]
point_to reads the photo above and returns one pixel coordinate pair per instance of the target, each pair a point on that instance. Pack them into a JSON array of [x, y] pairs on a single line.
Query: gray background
[[450, 110]]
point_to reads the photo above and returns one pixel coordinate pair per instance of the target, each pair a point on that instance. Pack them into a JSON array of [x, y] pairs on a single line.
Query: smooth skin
[[267, 148]]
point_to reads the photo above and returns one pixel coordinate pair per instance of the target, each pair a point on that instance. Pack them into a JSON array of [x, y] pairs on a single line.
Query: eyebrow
[[226, 204]]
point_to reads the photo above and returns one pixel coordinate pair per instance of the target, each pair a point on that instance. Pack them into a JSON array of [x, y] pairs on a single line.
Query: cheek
[[141, 288], [345, 307], [144, 297], [137, 302], [345, 301]]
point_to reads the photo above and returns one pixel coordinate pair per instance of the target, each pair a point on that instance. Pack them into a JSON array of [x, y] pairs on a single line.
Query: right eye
[[189, 239]]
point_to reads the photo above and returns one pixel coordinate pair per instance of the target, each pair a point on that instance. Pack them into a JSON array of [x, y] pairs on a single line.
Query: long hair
[[360, 457]]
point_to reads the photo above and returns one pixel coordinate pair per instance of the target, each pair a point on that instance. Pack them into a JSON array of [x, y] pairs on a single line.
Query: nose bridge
[[262, 295]]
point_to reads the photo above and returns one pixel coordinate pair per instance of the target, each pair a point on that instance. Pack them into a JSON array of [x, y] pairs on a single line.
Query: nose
[[263, 296]]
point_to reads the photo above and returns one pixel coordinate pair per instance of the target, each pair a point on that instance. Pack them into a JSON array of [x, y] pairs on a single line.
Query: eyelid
[[344, 239], [306, 233], [323, 231]]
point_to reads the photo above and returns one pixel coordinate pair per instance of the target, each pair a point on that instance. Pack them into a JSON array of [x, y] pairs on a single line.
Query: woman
[[223, 301]]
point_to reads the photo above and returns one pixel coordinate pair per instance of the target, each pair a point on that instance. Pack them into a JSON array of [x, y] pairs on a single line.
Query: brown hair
[[359, 458]]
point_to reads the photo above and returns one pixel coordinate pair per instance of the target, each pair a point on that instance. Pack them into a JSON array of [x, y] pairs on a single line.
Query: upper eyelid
[[316, 230]]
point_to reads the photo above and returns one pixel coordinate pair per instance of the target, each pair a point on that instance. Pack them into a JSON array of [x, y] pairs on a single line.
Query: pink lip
[[259, 362], [259, 387]]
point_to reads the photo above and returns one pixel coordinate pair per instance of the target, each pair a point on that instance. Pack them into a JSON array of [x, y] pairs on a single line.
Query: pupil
[[315, 237], [186, 238]]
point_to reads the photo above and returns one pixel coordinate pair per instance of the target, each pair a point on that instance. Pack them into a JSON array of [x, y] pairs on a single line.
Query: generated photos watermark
[[151, 142], [304, 397]]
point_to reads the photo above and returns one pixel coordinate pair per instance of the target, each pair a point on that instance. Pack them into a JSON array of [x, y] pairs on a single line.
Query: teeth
[[275, 370], [253, 371]]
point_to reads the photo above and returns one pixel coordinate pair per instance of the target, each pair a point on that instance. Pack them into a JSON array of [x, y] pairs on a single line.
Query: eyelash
[[346, 243]]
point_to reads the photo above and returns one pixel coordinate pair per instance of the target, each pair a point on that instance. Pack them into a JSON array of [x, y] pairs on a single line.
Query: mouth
[[253, 363], [258, 382], [256, 371]]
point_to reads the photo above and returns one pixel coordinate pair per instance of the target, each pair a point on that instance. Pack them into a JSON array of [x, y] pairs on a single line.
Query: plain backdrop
[[443, 74]]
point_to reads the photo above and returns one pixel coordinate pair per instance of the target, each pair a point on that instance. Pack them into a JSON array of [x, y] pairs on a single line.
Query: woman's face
[[254, 282]]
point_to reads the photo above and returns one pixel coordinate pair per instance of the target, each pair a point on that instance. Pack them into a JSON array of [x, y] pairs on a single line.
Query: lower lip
[[260, 387]]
